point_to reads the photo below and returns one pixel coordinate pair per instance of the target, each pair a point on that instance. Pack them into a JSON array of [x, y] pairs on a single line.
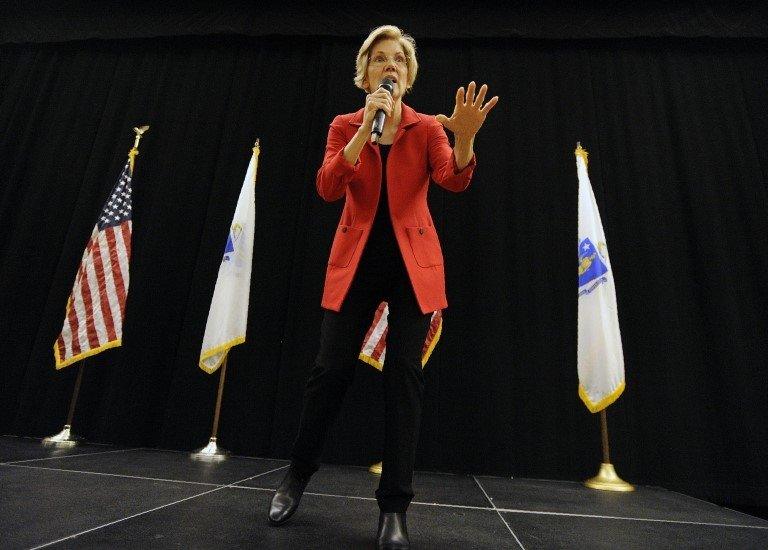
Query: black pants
[[381, 276]]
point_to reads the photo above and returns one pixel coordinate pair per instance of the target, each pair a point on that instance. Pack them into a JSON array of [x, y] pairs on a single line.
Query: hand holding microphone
[[378, 106]]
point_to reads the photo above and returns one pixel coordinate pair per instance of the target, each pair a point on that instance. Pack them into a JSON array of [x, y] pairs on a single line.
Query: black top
[[382, 240]]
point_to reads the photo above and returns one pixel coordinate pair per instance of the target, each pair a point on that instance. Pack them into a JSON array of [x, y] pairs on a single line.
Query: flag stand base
[[608, 480], [210, 452], [375, 469], [62, 439]]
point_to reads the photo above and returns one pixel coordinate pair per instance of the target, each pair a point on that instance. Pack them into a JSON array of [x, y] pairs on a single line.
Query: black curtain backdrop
[[27, 21], [676, 129]]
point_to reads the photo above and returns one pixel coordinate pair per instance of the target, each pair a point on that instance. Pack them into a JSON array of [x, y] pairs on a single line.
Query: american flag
[[374, 348], [96, 306]]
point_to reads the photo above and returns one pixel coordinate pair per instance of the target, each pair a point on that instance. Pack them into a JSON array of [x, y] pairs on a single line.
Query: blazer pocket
[[425, 245], [344, 245]]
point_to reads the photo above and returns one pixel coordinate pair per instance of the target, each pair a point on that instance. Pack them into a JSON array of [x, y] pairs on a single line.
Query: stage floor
[[98, 496]]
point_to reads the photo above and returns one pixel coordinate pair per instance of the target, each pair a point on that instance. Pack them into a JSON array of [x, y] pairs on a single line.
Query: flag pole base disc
[[375, 469], [608, 480], [211, 452], [62, 439]]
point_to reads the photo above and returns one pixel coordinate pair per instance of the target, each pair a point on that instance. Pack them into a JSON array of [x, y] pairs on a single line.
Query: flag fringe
[[604, 402], [433, 344], [61, 364], [371, 361], [220, 349], [377, 364]]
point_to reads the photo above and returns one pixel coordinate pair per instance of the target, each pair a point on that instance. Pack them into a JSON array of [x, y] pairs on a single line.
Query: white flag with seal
[[228, 315], [600, 355]]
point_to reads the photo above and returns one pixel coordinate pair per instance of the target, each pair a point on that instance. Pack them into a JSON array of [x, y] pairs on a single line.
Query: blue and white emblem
[[234, 236], [592, 269]]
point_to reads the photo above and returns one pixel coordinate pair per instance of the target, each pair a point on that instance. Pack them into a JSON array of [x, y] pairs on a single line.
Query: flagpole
[[215, 431], [135, 150], [604, 436], [212, 451], [608, 346], [607, 479], [65, 438]]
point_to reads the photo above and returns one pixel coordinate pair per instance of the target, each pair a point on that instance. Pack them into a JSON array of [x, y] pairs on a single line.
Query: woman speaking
[[385, 248]]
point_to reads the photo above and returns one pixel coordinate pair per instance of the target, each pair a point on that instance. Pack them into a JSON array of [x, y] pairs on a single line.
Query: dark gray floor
[[96, 496]]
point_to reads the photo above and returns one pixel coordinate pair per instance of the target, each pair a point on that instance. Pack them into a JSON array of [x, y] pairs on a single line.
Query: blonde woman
[[385, 248]]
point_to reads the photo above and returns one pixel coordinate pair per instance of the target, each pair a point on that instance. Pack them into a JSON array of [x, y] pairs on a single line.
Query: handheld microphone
[[378, 120]]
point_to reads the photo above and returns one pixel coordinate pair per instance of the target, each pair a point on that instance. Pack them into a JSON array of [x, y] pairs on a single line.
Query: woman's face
[[387, 60]]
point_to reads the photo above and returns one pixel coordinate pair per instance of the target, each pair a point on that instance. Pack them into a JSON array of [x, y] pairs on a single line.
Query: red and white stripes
[[374, 349], [96, 306]]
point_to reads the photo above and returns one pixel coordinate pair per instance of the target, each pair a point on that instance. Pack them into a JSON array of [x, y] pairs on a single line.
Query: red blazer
[[420, 150]]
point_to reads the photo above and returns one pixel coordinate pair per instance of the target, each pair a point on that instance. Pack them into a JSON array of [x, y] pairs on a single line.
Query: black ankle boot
[[287, 497], [393, 532]]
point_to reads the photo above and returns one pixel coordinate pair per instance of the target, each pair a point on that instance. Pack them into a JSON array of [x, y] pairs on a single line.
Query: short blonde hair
[[383, 33]]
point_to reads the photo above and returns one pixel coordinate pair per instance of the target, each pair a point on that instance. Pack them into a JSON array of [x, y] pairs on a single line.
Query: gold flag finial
[[579, 152], [256, 151], [135, 149]]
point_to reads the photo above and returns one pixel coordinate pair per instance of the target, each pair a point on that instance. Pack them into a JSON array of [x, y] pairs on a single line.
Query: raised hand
[[469, 113]]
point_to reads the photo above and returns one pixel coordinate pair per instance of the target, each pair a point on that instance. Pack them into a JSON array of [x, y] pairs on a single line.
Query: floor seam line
[[499, 513], [710, 503], [129, 476], [75, 535], [11, 462], [237, 485], [627, 518]]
